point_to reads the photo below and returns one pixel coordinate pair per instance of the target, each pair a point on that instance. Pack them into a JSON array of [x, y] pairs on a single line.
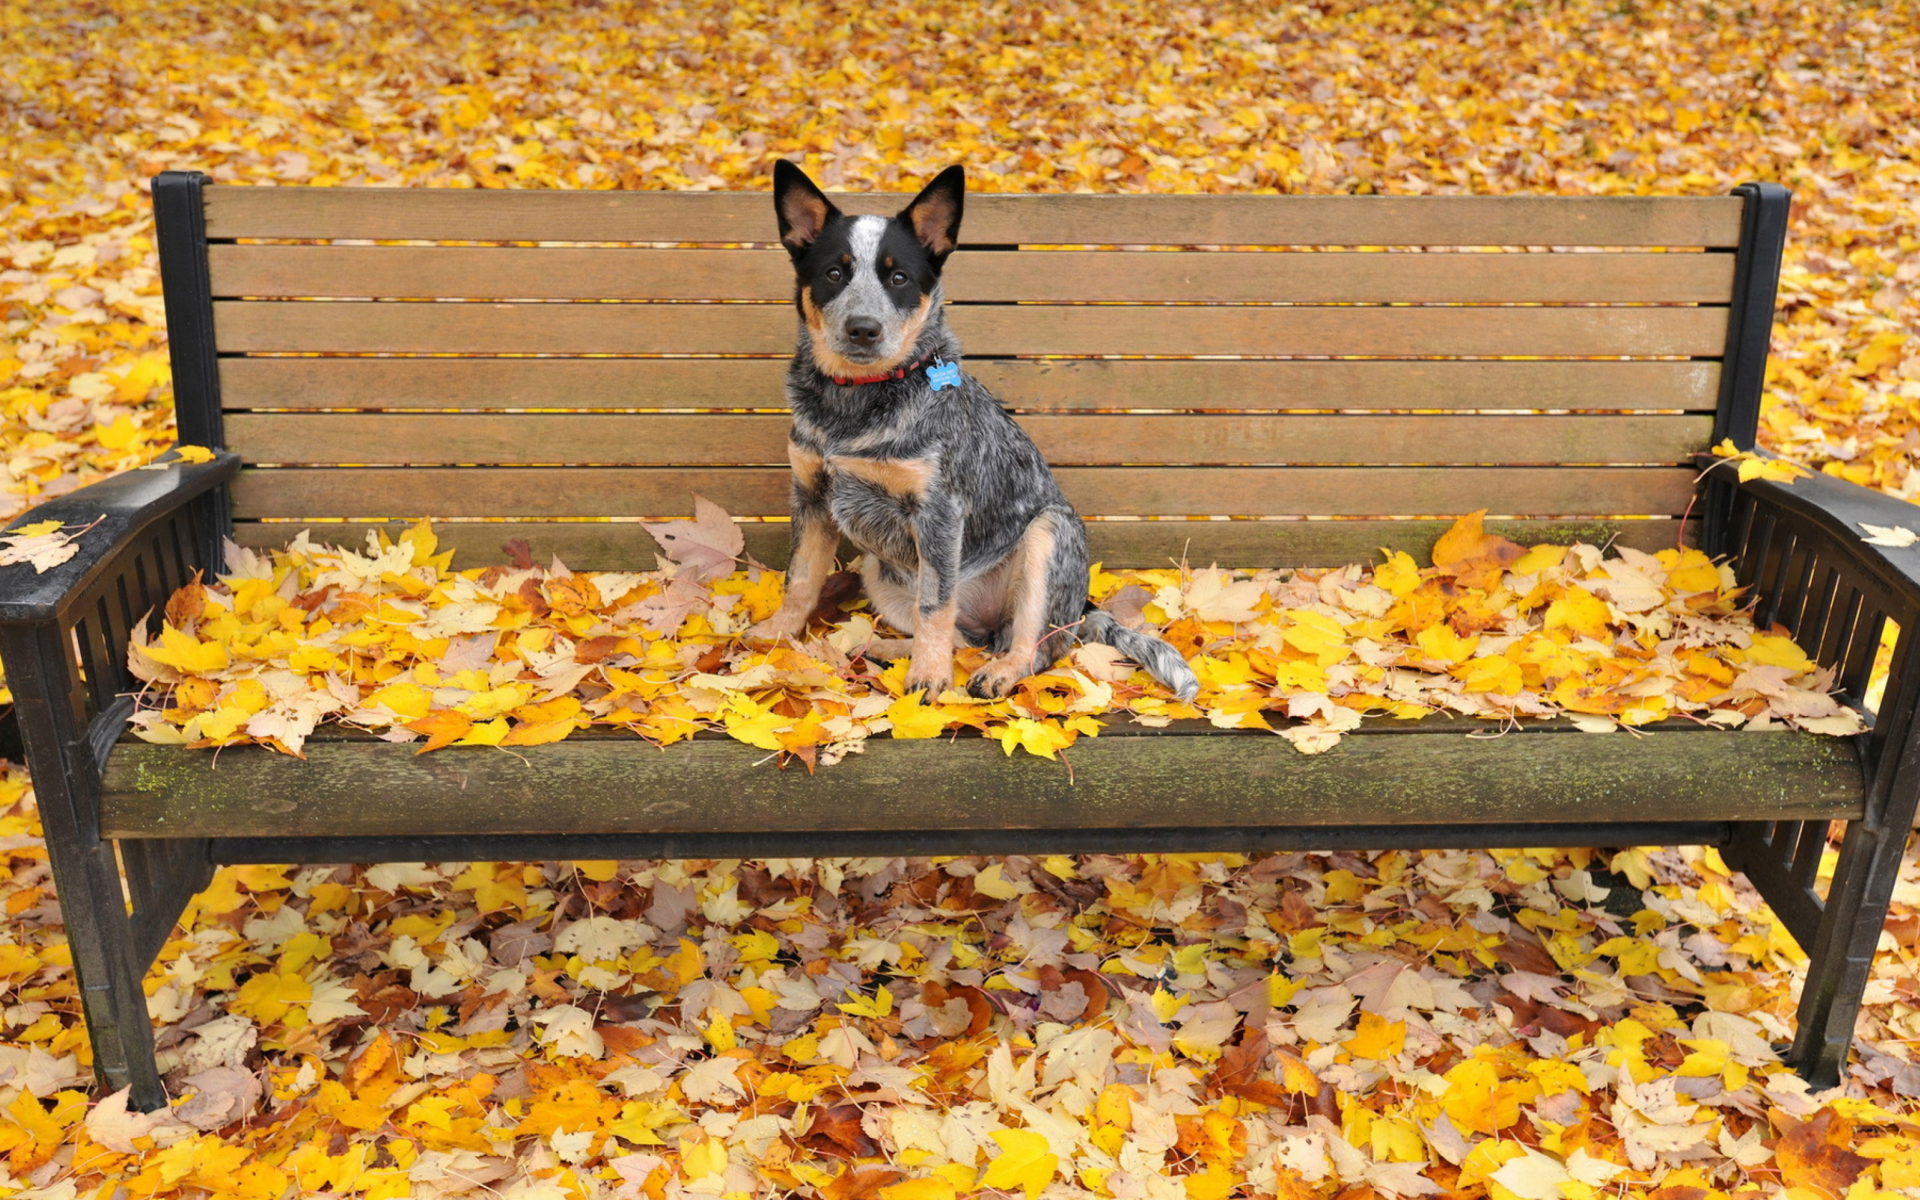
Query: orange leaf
[[442, 728]]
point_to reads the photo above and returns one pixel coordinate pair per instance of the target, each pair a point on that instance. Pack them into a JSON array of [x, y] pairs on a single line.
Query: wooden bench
[[1217, 357]]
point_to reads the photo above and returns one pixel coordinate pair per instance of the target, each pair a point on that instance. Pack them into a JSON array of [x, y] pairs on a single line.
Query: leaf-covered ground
[[1539, 1024], [1097, 1026]]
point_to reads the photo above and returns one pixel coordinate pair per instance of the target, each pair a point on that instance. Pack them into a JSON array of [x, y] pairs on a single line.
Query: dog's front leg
[[815, 538], [937, 528]]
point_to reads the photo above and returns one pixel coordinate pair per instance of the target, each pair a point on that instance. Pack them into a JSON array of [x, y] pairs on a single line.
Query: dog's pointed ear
[[803, 209], [934, 215]]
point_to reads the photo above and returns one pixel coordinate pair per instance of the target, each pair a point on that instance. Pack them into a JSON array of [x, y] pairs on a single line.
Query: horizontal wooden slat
[[619, 546], [1033, 385], [482, 328], [310, 492], [1124, 779], [1091, 439], [444, 214], [502, 273]]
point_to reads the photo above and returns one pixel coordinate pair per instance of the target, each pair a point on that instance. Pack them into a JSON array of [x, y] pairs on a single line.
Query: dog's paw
[[928, 685], [994, 680]]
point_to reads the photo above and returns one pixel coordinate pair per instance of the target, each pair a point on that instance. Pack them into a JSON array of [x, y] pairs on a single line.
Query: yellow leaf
[[271, 995], [492, 733], [1377, 1037], [992, 883], [913, 720], [701, 1159], [1442, 644], [719, 1034], [35, 529], [1024, 1162], [1773, 470], [408, 699], [1539, 559], [1399, 574], [749, 723], [193, 454], [188, 654], [1166, 1004], [1774, 651], [1215, 1183], [1580, 611], [1035, 737], [881, 1005]]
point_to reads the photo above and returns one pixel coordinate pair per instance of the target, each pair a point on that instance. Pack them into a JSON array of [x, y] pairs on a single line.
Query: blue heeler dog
[[964, 535]]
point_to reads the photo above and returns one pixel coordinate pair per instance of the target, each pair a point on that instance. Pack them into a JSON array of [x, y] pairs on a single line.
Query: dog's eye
[[898, 279], [835, 274]]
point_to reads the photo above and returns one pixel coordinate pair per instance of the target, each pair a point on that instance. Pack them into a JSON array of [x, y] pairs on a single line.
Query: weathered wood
[[1086, 439], [1031, 385], [624, 546], [346, 789], [446, 214], [348, 326], [305, 493], [522, 273]]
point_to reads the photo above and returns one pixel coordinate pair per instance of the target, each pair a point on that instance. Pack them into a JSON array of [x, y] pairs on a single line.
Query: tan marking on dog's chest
[[907, 477]]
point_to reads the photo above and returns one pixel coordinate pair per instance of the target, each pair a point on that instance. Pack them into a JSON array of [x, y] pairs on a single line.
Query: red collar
[[896, 373]]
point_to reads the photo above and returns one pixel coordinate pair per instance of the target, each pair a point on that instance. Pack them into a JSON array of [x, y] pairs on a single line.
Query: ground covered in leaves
[[1537, 1024], [1444, 1023]]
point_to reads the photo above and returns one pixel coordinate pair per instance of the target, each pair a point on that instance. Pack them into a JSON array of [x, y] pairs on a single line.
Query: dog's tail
[[1162, 661]]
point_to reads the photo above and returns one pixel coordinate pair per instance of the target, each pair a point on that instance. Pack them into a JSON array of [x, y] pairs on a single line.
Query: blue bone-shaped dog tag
[[944, 375]]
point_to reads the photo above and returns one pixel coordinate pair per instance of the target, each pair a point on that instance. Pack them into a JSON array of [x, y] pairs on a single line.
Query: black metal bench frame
[[62, 636]]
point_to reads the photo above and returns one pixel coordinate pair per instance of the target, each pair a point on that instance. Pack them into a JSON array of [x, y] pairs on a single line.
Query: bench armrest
[[1802, 550], [124, 505]]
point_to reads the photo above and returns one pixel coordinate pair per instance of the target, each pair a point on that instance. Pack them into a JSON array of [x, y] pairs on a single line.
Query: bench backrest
[[1350, 372]]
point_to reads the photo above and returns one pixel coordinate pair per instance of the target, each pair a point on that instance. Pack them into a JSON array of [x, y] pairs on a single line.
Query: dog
[[965, 537]]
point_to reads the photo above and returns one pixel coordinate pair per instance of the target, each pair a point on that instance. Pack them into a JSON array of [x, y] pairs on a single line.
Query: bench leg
[[100, 932], [1841, 957], [41, 662]]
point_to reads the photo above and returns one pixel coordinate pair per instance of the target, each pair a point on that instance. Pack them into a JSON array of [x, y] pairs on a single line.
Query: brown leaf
[[840, 587], [836, 1132], [1522, 951], [1238, 1071], [706, 547], [622, 1039], [861, 1182], [598, 649], [186, 604], [518, 552], [1814, 1154]]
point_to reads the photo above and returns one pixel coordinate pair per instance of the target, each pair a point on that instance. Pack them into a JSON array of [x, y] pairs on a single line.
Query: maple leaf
[[1889, 535], [1754, 465], [45, 544], [706, 547], [1814, 1154], [1025, 1161]]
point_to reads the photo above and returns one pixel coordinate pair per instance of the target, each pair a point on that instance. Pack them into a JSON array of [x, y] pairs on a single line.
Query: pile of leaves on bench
[[392, 639]]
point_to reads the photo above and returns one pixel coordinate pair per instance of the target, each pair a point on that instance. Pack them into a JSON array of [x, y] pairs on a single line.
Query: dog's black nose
[[863, 331]]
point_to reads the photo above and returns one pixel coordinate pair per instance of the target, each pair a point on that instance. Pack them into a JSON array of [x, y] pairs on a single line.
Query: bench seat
[[1130, 789]]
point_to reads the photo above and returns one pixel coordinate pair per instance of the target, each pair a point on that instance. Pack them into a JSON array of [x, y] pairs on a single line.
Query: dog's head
[[866, 285]]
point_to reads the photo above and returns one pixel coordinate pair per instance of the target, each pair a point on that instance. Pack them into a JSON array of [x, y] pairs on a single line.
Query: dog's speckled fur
[[963, 531]]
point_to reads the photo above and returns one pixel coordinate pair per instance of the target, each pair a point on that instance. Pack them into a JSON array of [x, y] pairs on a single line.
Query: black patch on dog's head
[[803, 209], [934, 216]]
